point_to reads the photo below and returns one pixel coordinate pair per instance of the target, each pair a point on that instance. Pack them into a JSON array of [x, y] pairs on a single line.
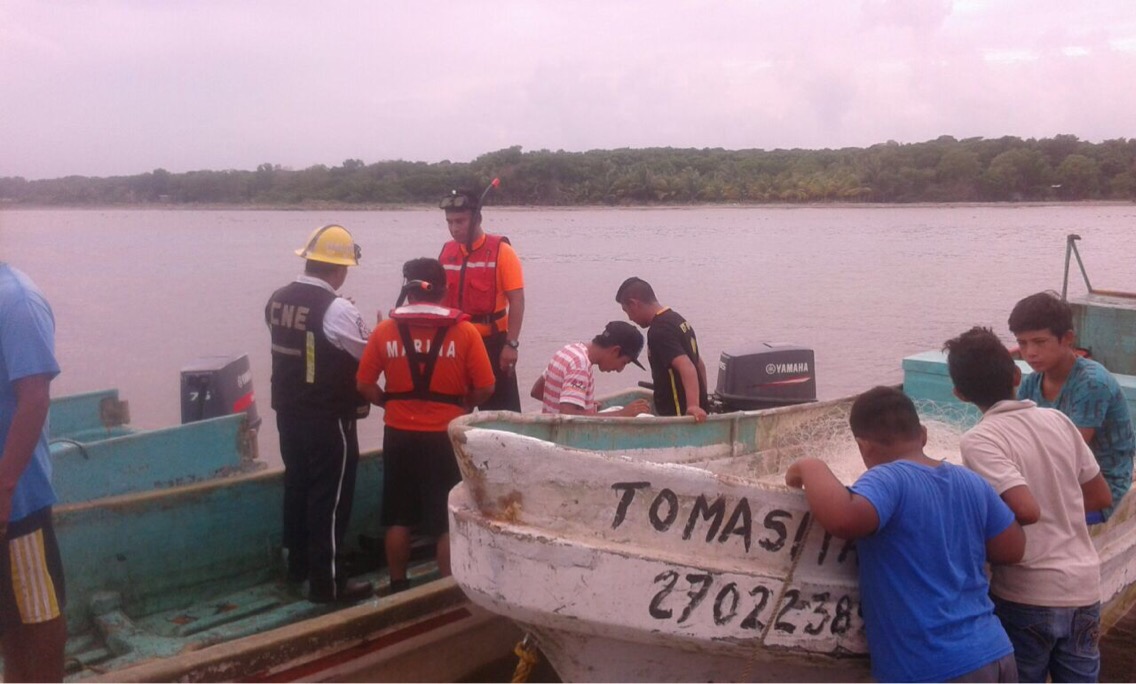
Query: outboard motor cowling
[[213, 386], [766, 376]]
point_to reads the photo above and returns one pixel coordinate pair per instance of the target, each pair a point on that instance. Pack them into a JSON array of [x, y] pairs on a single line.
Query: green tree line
[[1062, 168]]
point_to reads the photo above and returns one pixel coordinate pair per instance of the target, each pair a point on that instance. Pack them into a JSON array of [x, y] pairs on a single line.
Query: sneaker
[[352, 591]]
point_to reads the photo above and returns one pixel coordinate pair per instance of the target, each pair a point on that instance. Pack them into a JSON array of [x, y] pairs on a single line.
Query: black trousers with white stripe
[[321, 457]]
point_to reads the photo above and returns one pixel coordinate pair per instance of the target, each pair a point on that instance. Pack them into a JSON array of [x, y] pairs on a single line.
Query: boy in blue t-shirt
[[1080, 388], [924, 529]]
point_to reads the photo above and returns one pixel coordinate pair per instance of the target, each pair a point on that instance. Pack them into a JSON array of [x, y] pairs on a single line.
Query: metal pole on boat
[[1071, 249]]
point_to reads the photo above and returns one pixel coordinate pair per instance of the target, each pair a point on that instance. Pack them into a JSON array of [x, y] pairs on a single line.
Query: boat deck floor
[[119, 640]]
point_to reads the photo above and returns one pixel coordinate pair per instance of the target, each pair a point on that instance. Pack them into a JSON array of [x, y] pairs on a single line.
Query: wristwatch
[[515, 344]]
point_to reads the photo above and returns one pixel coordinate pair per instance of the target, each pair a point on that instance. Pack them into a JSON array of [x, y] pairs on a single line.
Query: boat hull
[[644, 631], [692, 574], [681, 557]]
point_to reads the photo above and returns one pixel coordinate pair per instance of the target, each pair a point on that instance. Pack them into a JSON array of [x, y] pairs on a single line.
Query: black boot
[[352, 591]]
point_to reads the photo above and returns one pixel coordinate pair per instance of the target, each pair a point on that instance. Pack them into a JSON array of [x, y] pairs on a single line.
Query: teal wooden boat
[[172, 554], [95, 453]]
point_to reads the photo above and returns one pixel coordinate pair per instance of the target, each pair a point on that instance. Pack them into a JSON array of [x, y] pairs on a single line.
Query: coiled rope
[[527, 658]]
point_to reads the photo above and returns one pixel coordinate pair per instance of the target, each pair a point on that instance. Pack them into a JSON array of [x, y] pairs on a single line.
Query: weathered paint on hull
[[1104, 325], [690, 574], [594, 629], [609, 660], [1116, 543]]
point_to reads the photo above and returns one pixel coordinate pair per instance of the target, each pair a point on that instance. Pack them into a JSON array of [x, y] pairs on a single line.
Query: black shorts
[[419, 470], [31, 572]]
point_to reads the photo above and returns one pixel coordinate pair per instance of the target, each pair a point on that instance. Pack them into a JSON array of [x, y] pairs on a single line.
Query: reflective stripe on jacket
[[471, 280]]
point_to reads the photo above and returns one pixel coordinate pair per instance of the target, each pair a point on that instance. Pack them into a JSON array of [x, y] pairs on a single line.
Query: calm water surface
[[139, 293]]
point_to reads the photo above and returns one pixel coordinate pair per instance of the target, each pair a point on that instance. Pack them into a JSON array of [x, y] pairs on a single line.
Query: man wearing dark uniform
[[317, 339], [484, 280], [677, 370]]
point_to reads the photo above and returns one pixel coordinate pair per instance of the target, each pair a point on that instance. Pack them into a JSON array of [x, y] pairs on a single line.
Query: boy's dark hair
[[635, 288], [980, 366], [885, 415], [1042, 311], [424, 279]]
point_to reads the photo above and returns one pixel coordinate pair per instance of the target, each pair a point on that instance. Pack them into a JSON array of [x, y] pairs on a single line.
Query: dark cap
[[625, 336]]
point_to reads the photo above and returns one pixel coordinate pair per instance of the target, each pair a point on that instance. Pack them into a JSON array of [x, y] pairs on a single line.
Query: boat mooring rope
[[527, 659]]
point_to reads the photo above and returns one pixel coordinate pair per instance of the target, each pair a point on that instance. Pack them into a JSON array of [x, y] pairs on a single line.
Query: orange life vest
[[471, 280]]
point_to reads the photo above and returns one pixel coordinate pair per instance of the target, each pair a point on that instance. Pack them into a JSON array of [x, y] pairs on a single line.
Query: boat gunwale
[[627, 458], [471, 420], [202, 487]]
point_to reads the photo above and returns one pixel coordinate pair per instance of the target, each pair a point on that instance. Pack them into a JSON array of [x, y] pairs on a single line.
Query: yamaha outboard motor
[[213, 386], [766, 376]]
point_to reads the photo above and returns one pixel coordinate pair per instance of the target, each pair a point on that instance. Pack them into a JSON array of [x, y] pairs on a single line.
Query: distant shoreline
[[343, 206]]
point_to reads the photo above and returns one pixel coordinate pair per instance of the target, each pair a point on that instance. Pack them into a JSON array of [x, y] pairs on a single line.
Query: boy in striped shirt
[[568, 385]]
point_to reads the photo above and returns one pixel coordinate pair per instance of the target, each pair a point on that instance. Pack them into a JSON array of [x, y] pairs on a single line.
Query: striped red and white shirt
[[568, 379]]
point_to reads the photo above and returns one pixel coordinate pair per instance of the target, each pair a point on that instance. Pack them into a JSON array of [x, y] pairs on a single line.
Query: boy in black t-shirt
[[677, 370]]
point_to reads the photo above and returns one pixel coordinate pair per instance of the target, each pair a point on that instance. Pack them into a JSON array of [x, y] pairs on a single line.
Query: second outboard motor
[[765, 376], [213, 386]]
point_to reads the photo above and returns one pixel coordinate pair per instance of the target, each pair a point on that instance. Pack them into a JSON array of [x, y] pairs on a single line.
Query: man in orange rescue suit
[[436, 369], [484, 279], [317, 339]]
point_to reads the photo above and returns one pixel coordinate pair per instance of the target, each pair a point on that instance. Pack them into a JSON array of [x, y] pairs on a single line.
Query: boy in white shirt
[[1036, 460]]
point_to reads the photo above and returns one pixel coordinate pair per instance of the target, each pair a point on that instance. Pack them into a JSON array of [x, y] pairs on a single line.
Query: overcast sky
[[118, 87]]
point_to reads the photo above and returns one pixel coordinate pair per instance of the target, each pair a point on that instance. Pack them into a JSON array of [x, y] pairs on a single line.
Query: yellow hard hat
[[331, 244]]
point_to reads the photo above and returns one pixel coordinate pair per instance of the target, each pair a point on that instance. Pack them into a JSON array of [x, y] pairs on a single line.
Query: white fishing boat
[[658, 549]]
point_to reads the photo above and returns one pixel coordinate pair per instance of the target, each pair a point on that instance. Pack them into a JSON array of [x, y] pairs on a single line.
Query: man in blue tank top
[[924, 529]]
